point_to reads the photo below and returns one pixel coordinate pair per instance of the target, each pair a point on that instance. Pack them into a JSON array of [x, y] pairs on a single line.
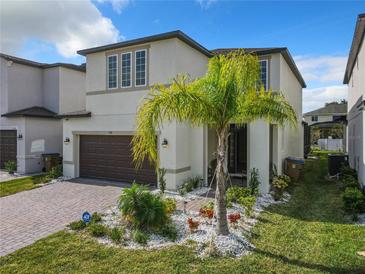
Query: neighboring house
[[119, 76], [31, 95], [328, 126], [355, 79]]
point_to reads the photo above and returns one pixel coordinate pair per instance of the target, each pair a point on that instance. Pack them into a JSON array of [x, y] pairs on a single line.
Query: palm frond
[[268, 105], [180, 101]]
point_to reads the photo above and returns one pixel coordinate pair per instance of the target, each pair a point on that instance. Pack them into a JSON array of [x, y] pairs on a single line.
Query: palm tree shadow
[[312, 266]]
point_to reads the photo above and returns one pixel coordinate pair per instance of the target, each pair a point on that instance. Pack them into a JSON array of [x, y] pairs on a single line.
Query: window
[[126, 68], [112, 71], [314, 118], [141, 60], [264, 73]]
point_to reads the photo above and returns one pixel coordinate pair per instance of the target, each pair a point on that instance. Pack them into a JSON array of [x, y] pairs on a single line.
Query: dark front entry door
[[110, 157], [8, 148], [237, 149]]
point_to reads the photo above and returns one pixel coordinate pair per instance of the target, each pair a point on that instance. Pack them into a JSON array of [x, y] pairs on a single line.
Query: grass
[[310, 234], [26, 183]]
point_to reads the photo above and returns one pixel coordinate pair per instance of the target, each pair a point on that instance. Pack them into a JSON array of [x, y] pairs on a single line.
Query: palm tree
[[229, 92]]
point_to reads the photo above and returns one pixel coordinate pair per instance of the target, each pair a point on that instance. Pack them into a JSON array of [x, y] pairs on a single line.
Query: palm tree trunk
[[220, 194]]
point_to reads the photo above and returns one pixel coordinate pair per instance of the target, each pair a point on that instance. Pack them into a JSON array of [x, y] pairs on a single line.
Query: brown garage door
[[110, 157], [7, 146]]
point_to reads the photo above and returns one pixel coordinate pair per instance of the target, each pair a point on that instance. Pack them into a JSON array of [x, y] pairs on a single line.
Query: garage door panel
[[110, 157]]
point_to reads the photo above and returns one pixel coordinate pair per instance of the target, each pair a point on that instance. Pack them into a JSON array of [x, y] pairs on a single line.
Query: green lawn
[[17, 185], [307, 235]]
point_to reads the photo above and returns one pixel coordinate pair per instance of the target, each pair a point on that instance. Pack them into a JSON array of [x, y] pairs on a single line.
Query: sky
[[318, 34]]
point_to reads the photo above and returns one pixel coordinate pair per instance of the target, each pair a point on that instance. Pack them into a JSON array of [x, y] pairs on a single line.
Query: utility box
[[293, 167], [51, 160], [335, 161]]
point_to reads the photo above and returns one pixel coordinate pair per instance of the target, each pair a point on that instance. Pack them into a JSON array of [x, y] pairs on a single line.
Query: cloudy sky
[[318, 34]]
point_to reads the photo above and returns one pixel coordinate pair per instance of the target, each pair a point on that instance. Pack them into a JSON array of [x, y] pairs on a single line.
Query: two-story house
[[118, 77], [331, 112], [355, 79], [31, 96]]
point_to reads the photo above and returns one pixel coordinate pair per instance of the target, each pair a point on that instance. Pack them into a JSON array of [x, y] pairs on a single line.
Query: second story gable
[[331, 112]]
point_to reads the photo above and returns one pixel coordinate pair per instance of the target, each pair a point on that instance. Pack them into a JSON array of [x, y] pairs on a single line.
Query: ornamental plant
[[353, 200], [206, 212], [234, 217], [10, 166], [193, 225], [229, 93], [279, 185]]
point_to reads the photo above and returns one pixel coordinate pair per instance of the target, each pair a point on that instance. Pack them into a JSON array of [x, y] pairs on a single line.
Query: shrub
[[95, 217], [162, 180], [234, 193], [170, 205], [139, 237], [142, 208], [206, 212], [169, 231], [349, 181], [55, 172], [234, 217], [279, 185], [77, 225], [347, 170], [193, 225], [10, 166], [189, 184], [116, 234], [208, 205], [97, 230], [247, 203], [254, 181], [353, 200]]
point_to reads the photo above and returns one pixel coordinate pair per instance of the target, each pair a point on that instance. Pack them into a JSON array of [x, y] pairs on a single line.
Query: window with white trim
[[126, 67], [141, 67], [315, 118], [264, 68], [112, 71]]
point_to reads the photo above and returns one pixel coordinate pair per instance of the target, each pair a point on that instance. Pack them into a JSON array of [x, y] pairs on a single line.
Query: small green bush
[[349, 181], [347, 170], [169, 231], [254, 181], [140, 237], [247, 203], [353, 200], [56, 172], [10, 166], [95, 217], [97, 230], [116, 234], [279, 185], [234, 193], [170, 205], [142, 208], [77, 225], [189, 185], [208, 206], [162, 180]]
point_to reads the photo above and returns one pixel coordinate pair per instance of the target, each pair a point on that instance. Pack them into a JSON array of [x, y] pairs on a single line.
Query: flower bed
[[202, 231]]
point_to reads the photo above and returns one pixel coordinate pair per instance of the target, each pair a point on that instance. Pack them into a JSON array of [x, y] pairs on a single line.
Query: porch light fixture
[[165, 143], [20, 136], [67, 140]]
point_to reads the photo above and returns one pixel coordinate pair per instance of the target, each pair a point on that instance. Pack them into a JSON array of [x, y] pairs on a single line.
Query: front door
[[237, 149]]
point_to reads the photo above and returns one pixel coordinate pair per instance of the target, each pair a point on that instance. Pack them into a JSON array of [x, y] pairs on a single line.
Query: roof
[[75, 114], [329, 124], [22, 61], [355, 46], [162, 36], [265, 51], [329, 109], [35, 111]]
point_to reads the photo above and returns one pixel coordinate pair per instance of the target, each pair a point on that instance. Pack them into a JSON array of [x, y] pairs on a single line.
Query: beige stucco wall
[[356, 116], [51, 89], [321, 118]]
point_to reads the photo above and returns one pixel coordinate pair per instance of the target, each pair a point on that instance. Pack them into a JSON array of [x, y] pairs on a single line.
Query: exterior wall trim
[[178, 170]]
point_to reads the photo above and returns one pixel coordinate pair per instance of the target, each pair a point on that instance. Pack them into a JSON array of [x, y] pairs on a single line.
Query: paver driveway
[[28, 216]]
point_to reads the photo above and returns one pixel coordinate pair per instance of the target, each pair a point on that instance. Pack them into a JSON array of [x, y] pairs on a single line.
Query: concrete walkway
[[28, 216]]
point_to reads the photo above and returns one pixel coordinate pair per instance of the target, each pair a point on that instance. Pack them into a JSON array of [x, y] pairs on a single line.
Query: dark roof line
[[264, 51], [75, 114], [355, 46], [35, 111], [23, 61], [329, 109], [162, 36]]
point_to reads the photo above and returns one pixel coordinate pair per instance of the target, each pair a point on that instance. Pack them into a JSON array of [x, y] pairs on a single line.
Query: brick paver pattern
[[28, 216]]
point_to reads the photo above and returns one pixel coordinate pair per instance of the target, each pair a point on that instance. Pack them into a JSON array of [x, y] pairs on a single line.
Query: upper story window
[[315, 118], [112, 71], [141, 67], [264, 68], [126, 67]]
